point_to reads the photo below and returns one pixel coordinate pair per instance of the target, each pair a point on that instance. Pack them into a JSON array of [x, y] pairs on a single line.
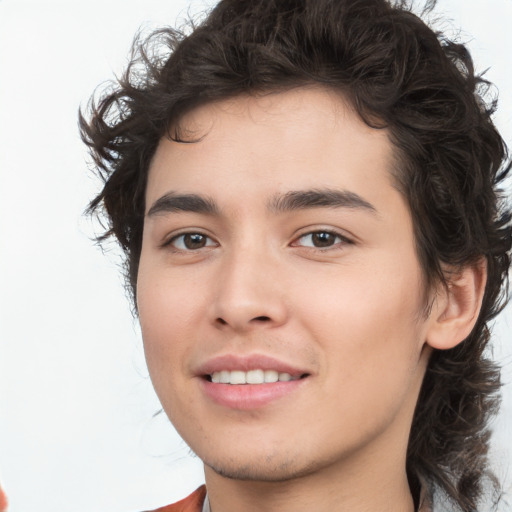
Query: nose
[[249, 293]]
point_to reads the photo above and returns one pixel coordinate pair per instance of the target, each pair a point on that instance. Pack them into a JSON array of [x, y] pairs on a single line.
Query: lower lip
[[249, 396]]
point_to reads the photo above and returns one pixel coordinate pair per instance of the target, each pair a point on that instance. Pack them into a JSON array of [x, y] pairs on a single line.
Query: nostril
[[262, 318], [255, 320]]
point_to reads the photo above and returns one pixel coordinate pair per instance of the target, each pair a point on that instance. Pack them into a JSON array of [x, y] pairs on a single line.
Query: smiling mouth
[[237, 377]]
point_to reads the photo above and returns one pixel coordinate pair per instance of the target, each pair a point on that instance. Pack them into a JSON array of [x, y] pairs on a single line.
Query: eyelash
[[338, 239], [172, 241], [209, 242]]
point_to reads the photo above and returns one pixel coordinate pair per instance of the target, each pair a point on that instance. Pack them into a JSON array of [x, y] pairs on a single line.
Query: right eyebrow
[[172, 202], [319, 198]]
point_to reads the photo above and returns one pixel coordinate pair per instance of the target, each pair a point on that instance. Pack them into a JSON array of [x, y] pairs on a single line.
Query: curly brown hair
[[399, 75]]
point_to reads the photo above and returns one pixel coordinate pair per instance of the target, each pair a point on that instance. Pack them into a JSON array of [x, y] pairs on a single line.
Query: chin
[[271, 469]]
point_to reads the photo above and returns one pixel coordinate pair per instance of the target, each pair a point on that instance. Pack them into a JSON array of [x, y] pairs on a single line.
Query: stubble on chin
[[270, 470]]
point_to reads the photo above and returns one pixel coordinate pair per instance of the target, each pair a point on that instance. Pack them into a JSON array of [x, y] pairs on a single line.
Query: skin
[[351, 313]]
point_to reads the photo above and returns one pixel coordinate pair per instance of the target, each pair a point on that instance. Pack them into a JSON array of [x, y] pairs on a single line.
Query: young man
[[307, 195]]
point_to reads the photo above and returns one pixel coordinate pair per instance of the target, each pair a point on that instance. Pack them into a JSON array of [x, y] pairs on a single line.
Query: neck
[[356, 486]]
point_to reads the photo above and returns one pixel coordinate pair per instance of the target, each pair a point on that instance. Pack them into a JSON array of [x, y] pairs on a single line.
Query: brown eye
[[191, 242], [323, 239], [194, 241], [320, 239]]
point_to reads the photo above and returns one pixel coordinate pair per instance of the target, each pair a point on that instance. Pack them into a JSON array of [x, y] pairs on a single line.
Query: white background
[[77, 432]]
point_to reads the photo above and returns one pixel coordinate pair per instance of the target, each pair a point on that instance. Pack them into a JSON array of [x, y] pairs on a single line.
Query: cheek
[[371, 353], [164, 325], [368, 323], [166, 314]]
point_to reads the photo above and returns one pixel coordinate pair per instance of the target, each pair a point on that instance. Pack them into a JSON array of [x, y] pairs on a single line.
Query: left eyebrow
[[319, 198], [172, 202]]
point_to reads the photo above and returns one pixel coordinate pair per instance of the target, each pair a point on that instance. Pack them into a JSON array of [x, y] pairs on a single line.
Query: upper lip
[[246, 363]]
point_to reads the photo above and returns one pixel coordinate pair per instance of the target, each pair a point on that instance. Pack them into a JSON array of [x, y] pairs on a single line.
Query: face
[[280, 296]]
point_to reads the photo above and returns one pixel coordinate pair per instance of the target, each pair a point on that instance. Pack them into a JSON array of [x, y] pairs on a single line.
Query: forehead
[[272, 143]]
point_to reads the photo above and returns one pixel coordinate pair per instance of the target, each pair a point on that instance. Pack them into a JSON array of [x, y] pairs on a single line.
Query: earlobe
[[457, 306]]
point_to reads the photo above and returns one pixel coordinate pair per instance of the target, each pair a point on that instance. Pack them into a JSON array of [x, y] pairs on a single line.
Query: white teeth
[[255, 377], [271, 376], [250, 377], [238, 377]]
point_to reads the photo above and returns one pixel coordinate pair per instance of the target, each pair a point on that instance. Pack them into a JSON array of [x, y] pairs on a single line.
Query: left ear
[[456, 306]]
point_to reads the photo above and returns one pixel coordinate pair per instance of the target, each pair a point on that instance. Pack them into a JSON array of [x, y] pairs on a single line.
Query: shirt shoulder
[[192, 503]]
